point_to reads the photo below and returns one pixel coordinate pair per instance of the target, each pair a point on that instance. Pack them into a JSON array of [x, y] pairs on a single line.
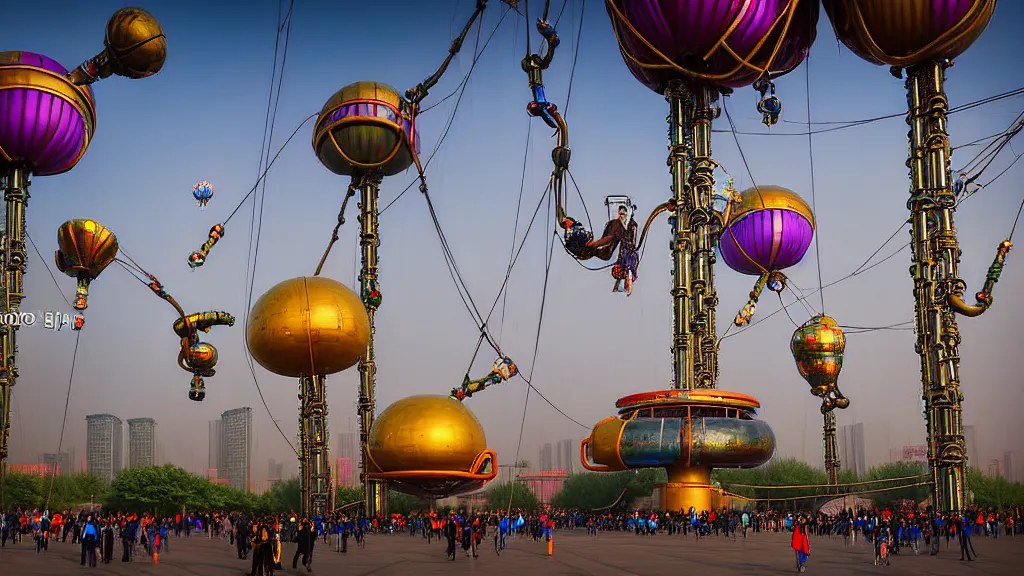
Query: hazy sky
[[202, 117]]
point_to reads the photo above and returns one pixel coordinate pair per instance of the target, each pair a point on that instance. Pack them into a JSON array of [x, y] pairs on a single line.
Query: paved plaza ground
[[609, 554]]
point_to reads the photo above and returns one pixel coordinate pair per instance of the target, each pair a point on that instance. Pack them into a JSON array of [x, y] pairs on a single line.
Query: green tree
[[73, 490], [348, 495], [778, 472], [21, 490], [993, 491], [500, 495], [592, 491], [404, 504], [286, 496], [890, 470]]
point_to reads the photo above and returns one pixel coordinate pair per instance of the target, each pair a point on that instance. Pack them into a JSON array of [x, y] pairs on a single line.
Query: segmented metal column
[[314, 455], [374, 493], [936, 255], [695, 226], [831, 447], [15, 183]]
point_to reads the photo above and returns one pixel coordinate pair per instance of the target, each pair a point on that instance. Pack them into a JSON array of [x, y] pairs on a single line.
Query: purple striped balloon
[[46, 122], [771, 239], [908, 32], [705, 37]]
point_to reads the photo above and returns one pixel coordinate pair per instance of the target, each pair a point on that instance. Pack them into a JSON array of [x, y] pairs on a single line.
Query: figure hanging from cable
[[503, 370], [623, 232], [86, 247], [620, 231]]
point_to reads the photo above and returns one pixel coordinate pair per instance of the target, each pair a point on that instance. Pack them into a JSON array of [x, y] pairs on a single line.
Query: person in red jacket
[[800, 544]]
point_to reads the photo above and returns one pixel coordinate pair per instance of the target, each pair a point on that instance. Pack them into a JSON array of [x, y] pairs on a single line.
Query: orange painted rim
[[702, 396]]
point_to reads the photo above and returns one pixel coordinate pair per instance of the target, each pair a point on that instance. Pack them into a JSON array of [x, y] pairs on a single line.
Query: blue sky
[[202, 117]]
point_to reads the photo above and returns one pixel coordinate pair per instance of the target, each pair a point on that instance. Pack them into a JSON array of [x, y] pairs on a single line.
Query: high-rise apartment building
[[64, 461], [141, 442], [567, 455], [1008, 472], [851, 449], [237, 432], [547, 458], [345, 473], [104, 445], [275, 470], [971, 443], [216, 459], [347, 450]]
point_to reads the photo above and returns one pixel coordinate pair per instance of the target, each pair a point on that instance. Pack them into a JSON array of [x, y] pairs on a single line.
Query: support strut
[[14, 260], [374, 491], [695, 229]]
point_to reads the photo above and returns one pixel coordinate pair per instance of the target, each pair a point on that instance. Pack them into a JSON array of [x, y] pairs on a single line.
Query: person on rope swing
[[618, 233], [623, 229]]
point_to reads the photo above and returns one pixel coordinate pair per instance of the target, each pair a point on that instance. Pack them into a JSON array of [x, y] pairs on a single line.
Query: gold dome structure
[[767, 197], [307, 326], [430, 446], [363, 127]]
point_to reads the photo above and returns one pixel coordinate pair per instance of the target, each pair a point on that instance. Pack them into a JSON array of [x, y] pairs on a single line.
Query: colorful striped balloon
[[46, 121], [770, 229], [908, 32], [726, 43]]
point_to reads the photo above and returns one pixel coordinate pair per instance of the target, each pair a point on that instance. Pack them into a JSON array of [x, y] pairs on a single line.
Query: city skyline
[[237, 447], [141, 442], [104, 445], [852, 449]]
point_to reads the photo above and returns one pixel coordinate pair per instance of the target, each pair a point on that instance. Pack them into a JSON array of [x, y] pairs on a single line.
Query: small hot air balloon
[[768, 230], [202, 192], [818, 347], [84, 249]]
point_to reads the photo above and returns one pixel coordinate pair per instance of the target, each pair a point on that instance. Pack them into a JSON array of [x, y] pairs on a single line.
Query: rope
[[256, 225], [829, 496], [799, 486], [536, 350], [461, 89], [337, 227], [810, 156], [515, 227], [843, 125], [64, 421], [48, 269]]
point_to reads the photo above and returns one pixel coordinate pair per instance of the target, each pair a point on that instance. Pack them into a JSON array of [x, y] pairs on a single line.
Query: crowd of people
[[889, 531]]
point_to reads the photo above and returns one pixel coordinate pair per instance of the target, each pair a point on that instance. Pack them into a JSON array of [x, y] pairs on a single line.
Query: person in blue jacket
[[90, 536]]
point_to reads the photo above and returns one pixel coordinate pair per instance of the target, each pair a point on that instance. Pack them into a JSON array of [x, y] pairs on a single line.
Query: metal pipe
[[14, 259], [369, 189], [695, 230], [679, 100], [705, 226], [314, 455], [935, 257], [831, 447]]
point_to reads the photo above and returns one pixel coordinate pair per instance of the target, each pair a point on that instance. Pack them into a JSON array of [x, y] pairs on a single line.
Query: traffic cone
[[156, 548], [551, 545]]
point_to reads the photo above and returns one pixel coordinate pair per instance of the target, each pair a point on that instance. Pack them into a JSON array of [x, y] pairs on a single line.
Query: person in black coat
[[451, 532], [306, 538]]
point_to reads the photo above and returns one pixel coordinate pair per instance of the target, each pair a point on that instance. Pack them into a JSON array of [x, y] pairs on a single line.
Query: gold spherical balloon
[[364, 127], [430, 433], [202, 355], [135, 43], [767, 197], [306, 326], [908, 32]]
